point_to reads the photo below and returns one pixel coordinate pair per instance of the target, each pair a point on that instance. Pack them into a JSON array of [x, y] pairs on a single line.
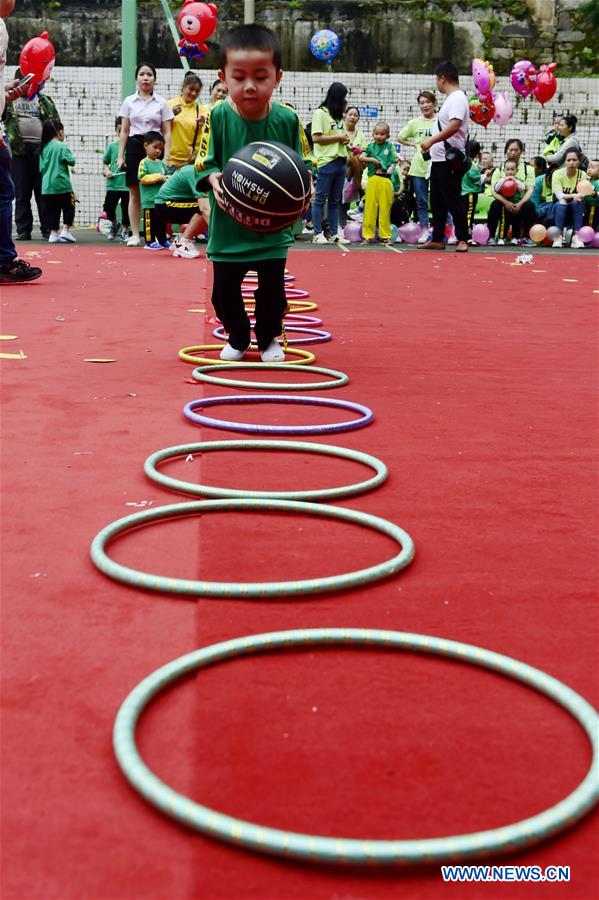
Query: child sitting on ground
[[57, 189], [178, 201], [381, 157], [152, 173]]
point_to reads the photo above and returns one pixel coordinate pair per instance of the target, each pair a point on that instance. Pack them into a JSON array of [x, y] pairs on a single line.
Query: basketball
[[265, 186], [509, 187]]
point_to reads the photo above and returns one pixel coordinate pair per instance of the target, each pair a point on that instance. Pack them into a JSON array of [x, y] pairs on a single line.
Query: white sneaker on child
[[273, 353], [577, 243], [185, 249], [230, 354], [339, 238], [55, 239], [557, 243], [67, 236], [134, 241]]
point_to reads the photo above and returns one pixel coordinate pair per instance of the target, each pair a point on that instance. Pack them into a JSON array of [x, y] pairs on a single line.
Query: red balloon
[[37, 59], [196, 22], [509, 187], [546, 84], [482, 110]]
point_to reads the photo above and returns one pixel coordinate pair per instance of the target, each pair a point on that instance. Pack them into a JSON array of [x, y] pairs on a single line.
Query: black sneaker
[[18, 272], [23, 237]]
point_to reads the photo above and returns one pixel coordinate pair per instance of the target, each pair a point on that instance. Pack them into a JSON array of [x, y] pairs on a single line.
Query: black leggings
[[269, 295], [55, 205], [154, 227], [499, 216], [111, 202]]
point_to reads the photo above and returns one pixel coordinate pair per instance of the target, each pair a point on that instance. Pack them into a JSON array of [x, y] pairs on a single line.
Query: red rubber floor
[[483, 378]]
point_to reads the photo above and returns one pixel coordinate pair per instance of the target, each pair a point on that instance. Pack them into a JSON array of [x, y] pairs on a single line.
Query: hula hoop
[[292, 305], [315, 335], [187, 354], [348, 850], [291, 319], [202, 490], [290, 293], [366, 418], [251, 590], [340, 378]]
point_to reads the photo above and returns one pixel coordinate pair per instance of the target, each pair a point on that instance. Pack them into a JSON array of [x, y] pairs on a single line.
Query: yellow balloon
[[537, 233], [585, 188]]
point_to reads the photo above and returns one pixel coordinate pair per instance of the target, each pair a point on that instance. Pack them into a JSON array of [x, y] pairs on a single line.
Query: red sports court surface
[[483, 378]]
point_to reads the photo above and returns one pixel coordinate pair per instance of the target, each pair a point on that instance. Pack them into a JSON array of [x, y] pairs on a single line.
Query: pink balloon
[[586, 234], [523, 77], [410, 232], [480, 233], [353, 231], [503, 109], [483, 77], [595, 241]]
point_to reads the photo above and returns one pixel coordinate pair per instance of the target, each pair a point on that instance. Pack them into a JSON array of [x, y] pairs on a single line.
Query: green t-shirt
[[323, 123], [593, 199], [224, 133], [147, 192], [566, 185], [397, 179], [180, 187], [109, 159], [418, 130], [55, 160], [385, 153], [471, 183]]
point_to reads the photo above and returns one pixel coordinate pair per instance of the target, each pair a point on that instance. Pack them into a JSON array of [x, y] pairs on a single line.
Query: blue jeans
[[545, 213], [8, 250], [329, 186], [421, 191], [576, 210]]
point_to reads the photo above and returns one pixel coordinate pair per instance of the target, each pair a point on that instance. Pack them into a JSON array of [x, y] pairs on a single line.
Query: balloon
[[586, 234], [585, 188], [410, 232], [325, 45], [196, 22], [523, 77], [353, 231], [595, 241], [503, 109], [538, 233], [553, 233], [394, 232], [37, 59], [509, 187], [482, 110], [483, 77], [480, 233], [546, 84]]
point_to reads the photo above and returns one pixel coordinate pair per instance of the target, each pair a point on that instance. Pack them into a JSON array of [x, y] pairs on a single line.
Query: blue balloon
[[325, 45]]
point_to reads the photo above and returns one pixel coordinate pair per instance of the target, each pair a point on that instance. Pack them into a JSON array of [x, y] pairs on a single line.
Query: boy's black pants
[[154, 227], [446, 196], [55, 205], [270, 300], [111, 202]]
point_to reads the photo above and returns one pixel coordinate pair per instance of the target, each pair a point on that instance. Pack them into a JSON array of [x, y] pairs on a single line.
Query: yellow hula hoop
[[293, 305], [187, 354]]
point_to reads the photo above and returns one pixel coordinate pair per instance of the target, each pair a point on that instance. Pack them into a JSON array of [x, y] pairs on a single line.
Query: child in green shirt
[[250, 59], [179, 201], [116, 189], [151, 174], [381, 157], [473, 183], [57, 190]]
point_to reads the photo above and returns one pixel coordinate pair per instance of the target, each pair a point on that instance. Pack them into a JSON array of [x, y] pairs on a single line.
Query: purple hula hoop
[[290, 293], [198, 419], [315, 335]]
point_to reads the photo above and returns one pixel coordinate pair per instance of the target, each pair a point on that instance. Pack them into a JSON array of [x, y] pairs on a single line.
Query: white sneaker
[[67, 236], [186, 250], [230, 354], [339, 238], [273, 353], [577, 243], [398, 240], [425, 237], [500, 242], [557, 243], [452, 240], [134, 241], [514, 241], [55, 239], [318, 239]]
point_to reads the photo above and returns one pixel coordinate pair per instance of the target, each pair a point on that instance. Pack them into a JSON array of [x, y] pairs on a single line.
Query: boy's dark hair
[[449, 71], [335, 100], [151, 136], [118, 121], [472, 149], [250, 37], [382, 124], [50, 129]]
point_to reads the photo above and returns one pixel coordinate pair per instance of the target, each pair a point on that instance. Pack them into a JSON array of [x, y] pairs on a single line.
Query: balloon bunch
[[542, 84], [37, 59], [196, 22], [487, 106]]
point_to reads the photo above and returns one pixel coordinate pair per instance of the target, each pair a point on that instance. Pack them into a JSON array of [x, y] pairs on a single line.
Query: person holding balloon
[[517, 211], [569, 202]]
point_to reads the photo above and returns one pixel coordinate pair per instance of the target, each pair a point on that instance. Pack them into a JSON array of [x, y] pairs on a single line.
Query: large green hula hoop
[[251, 590], [201, 373], [315, 848], [202, 490]]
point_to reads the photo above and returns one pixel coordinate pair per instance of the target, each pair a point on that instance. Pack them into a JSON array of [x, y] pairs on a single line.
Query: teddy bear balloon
[[37, 59], [196, 22]]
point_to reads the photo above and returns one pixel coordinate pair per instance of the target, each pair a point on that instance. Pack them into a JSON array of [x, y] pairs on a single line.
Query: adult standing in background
[[218, 91], [568, 141], [190, 117], [412, 135], [330, 152], [450, 134], [12, 269], [141, 112], [24, 120]]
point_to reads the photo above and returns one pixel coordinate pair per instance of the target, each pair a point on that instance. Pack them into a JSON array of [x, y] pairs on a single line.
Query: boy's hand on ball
[[214, 181]]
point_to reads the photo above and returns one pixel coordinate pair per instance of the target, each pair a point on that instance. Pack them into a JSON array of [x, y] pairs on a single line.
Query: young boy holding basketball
[[250, 66]]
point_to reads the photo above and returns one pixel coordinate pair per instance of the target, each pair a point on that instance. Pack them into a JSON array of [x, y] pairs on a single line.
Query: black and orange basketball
[[266, 186]]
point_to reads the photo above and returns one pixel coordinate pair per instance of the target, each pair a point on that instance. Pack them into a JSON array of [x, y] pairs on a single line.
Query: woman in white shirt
[[141, 112]]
